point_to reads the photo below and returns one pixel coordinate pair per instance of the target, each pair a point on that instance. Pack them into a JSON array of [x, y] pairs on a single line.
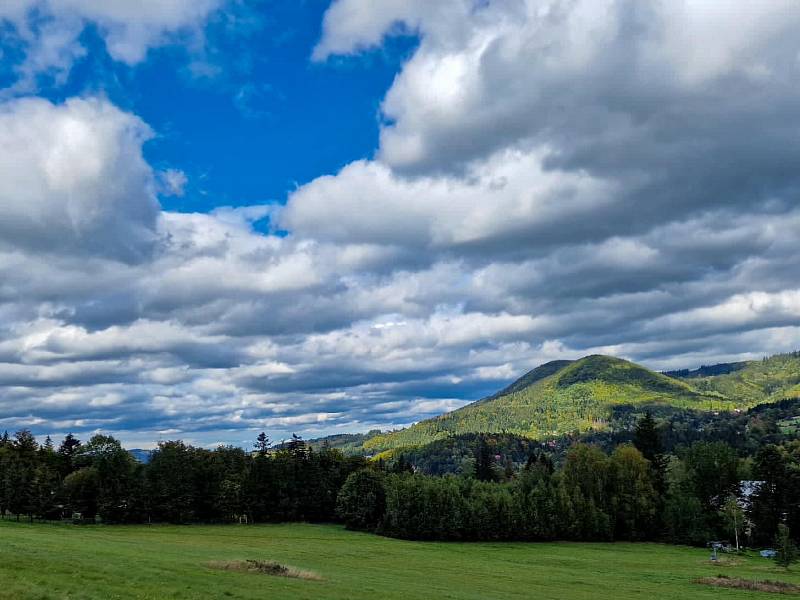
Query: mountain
[[565, 396], [753, 382], [555, 398]]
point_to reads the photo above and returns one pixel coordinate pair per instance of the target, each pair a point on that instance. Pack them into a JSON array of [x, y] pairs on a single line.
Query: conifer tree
[[262, 444], [296, 446], [786, 551], [70, 446], [484, 461], [647, 440]]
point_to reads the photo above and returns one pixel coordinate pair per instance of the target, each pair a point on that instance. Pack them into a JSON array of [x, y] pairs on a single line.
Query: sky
[[221, 217]]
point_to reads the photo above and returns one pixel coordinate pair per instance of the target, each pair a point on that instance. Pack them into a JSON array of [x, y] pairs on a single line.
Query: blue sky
[[281, 118], [219, 217]]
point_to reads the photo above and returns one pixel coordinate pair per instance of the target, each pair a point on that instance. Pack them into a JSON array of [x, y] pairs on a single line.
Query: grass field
[[61, 561]]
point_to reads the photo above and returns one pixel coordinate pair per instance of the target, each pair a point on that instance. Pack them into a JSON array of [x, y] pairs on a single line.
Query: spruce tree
[[69, 447], [484, 461], [297, 446], [25, 442], [769, 503], [647, 440], [262, 444]]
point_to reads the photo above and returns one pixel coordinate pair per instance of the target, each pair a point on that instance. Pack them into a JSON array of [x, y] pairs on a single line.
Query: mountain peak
[[557, 397], [537, 374], [563, 396], [618, 371]]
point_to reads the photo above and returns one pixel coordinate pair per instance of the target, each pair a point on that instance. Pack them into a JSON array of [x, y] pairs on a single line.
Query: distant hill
[[143, 456], [349, 443], [574, 396], [753, 382], [708, 370]]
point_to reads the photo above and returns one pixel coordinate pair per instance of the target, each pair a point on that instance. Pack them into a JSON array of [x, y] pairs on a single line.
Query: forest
[[704, 492], [745, 431], [648, 487], [586, 395], [99, 481]]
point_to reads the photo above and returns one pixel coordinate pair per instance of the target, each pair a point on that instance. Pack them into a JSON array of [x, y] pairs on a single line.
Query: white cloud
[[554, 179], [173, 182], [356, 25], [49, 30], [73, 179], [508, 194], [492, 74], [131, 28]]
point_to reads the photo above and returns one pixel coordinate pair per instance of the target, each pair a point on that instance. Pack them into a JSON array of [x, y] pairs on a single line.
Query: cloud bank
[[553, 179]]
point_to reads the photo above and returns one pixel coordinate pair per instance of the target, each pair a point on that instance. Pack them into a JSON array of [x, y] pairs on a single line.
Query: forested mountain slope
[[565, 396], [753, 382]]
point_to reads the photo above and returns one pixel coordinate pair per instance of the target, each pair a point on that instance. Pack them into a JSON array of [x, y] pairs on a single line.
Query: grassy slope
[[759, 381], [573, 396], [64, 562]]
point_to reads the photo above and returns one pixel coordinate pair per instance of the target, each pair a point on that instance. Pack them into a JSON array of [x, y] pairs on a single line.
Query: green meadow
[[40, 561]]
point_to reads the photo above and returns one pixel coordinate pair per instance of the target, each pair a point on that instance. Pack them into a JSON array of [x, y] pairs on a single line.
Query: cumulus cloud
[[47, 31], [73, 179], [506, 196], [553, 179], [563, 76]]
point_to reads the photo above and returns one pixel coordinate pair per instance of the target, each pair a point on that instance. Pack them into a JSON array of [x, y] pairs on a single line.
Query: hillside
[[769, 423], [566, 396], [753, 382]]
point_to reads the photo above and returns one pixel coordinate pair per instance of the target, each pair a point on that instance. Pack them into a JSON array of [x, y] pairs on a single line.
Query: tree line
[[635, 491], [100, 480]]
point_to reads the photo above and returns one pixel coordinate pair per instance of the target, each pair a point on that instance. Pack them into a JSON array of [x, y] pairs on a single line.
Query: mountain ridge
[[556, 398], [566, 396]]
